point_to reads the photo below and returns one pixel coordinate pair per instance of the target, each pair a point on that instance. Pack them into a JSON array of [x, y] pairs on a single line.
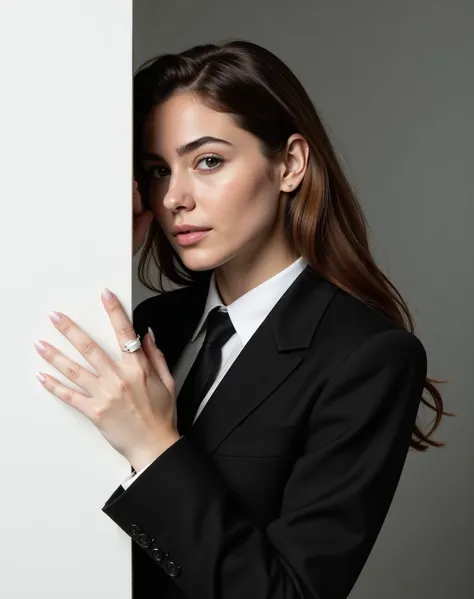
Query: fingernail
[[40, 377], [107, 294], [152, 335], [40, 346], [55, 316]]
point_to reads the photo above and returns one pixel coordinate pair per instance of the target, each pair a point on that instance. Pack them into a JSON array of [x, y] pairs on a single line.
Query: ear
[[295, 162]]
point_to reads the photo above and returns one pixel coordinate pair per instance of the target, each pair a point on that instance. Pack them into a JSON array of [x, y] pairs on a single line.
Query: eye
[[156, 172], [209, 159]]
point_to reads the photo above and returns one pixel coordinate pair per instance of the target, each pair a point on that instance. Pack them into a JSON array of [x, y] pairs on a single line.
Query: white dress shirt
[[246, 313]]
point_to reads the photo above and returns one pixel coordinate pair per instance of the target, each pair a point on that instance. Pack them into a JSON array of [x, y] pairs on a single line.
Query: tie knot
[[219, 327]]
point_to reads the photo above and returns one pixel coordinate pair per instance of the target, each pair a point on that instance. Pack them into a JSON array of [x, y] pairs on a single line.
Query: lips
[[190, 229], [192, 237]]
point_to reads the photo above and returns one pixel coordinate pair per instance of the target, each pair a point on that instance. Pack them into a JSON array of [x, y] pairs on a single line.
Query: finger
[[71, 370], [75, 399], [84, 344], [137, 201], [121, 323], [138, 206]]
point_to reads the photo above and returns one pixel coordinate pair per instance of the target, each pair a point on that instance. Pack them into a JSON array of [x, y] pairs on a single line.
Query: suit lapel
[[272, 354]]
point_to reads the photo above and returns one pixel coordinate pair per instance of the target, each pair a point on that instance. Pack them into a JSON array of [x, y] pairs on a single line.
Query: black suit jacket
[[281, 487]]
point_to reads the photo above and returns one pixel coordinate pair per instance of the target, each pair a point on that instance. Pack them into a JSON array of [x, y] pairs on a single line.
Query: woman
[[264, 460]]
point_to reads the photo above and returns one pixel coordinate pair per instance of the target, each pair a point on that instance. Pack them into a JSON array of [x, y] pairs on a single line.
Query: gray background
[[393, 81]]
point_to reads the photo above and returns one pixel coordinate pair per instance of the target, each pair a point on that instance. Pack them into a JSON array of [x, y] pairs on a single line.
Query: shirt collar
[[249, 311]]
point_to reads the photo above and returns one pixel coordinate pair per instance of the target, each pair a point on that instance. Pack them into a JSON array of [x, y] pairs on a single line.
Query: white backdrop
[[65, 233]]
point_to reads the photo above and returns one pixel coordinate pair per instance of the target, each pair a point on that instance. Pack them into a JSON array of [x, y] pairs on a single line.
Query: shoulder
[[161, 299], [158, 304], [352, 327]]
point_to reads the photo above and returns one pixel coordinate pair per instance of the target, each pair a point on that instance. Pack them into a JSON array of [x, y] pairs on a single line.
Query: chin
[[201, 263], [198, 265]]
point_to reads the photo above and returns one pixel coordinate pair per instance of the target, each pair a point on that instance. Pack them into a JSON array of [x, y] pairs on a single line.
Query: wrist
[[143, 456]]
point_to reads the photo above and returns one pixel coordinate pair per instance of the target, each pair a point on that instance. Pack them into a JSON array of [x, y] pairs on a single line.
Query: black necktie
[[204, 369]]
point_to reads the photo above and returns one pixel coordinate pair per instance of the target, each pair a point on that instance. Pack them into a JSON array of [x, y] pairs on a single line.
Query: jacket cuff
[[149, 510]]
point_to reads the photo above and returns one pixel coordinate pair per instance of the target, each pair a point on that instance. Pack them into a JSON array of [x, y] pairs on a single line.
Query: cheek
[[250, 202]]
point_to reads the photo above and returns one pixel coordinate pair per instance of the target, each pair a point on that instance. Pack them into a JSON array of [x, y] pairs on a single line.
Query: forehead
[[182, 118]]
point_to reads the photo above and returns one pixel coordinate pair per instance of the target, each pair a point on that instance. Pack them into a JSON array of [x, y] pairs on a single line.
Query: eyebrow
[[188, 147]]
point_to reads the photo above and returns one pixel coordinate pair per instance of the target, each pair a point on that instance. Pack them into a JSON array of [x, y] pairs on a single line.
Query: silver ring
[[132, 345]]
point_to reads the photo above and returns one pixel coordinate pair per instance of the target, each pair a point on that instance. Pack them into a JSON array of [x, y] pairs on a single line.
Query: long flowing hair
[[324, 222]]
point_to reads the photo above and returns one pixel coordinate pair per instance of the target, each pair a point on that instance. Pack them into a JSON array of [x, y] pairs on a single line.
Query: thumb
[[152, 335], [158, 361], [142, 221]]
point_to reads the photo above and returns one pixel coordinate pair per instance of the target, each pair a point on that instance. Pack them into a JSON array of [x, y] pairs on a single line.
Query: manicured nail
[[54, 316], [40, 377], [107, 294], [152, 335], [40, 346]]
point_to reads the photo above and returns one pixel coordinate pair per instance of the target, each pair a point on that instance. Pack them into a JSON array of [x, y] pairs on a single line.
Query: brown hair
[[324, 221]]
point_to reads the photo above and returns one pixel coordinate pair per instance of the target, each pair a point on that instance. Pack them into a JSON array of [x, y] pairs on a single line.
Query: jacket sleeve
[[334, 503]]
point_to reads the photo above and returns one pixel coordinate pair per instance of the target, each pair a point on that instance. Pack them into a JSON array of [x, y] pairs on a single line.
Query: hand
[[132, 402], [142, 220]]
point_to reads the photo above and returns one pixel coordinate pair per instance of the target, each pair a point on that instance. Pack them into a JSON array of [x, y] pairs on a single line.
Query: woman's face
[[221, 185]]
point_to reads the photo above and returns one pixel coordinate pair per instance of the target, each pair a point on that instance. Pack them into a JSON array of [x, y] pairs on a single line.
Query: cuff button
[[134, 530], [157, 555], [143, 540], [173, 569]]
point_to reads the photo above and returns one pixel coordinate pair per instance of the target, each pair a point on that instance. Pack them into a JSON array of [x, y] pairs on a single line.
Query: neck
[[234, 279]]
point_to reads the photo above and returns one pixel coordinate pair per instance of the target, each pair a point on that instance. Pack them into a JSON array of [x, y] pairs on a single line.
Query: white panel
[[65, 233]]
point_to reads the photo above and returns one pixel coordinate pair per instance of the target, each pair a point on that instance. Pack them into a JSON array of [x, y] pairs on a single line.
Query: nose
[[178, 195]]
